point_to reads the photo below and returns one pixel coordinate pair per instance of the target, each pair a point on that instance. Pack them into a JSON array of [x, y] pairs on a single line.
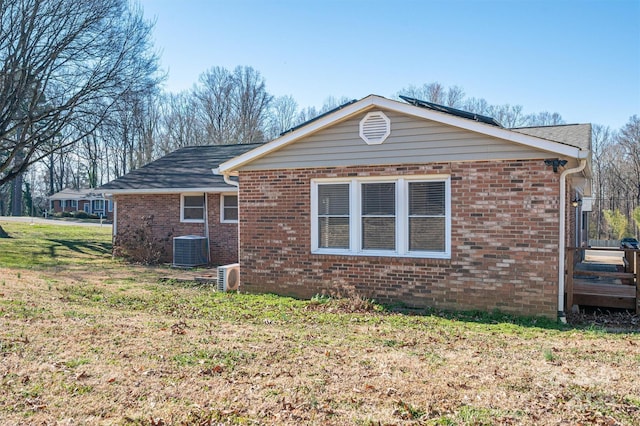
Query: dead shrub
[[344, 299], [139, 244]]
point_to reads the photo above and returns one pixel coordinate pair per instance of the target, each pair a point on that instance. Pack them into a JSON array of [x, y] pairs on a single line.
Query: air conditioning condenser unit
[[190, 250], [229, 277]]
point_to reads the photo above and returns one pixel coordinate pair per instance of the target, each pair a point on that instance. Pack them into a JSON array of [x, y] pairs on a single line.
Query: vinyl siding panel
[[411, 140]]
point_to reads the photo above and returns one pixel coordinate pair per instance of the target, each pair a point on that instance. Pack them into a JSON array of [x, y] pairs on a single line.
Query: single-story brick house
[[81, 200], [413, 203], [178, 195]]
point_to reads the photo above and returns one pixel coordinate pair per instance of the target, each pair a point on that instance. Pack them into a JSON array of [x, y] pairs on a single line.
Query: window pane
[[230, 200], [333, 232], [231, 213], [427, 198], [194, 201], [379, 233], [193, 213], [426, 233], [379, 199], [333, 199]]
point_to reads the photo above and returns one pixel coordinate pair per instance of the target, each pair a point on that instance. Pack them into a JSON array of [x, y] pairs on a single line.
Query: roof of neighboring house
[[188, 168], [571, 134], [76, 194], [571, 141]]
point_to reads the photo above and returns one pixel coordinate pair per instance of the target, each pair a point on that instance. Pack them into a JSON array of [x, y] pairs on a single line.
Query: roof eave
[[231, 167], [142, 191]]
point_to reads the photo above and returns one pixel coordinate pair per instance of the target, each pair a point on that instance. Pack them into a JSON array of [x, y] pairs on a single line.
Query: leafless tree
[[629, 141], [179, 125], [545, 118], [283, 115], [601, 140], [251, 105], [436, 93], [63, 64], [214, 94]]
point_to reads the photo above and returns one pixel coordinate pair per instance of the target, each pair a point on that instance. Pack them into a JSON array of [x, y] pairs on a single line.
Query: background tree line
[[81, 104]]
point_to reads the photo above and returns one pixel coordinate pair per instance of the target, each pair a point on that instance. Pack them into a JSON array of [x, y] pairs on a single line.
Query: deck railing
[[607, 289]]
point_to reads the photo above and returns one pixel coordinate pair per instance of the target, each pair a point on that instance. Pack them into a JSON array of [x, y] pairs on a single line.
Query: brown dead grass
[[109, 344]]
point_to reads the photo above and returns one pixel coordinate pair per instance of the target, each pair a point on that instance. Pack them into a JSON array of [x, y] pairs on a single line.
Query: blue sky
[[578, 58]]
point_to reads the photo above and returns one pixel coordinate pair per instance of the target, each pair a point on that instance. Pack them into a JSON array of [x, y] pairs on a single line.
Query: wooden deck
[[586, 292], [606, 278]]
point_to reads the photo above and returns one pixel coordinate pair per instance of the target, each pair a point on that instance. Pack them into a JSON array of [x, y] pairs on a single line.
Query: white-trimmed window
[[110, 205], [192, 208], [97, 205], [229, 208], [74, 204], [399, 216]]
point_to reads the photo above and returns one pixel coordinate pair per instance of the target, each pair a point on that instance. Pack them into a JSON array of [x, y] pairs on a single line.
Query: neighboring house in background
[[178, 195], [413, 203], [81, 200]]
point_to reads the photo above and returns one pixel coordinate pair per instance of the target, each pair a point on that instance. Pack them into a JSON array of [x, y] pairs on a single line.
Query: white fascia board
[[111, 192], [485, 129], [231, 167]]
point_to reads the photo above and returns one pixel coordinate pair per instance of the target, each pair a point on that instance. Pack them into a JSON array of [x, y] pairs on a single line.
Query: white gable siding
[[412, 140]]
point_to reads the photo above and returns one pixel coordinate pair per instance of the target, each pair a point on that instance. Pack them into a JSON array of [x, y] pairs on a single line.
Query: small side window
[[229, 209], [192, 208]]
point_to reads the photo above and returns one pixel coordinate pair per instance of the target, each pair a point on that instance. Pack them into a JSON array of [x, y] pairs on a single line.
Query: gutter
[[225, 177], [562, 233]]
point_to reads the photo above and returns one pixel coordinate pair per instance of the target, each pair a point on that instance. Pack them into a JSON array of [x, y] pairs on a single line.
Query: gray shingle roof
[[578, 135], [186, 168], [76, 194]]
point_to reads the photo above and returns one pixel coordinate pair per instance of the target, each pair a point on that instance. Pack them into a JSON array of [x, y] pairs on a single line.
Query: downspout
[[206, 226], [562, 233], [228, 181]]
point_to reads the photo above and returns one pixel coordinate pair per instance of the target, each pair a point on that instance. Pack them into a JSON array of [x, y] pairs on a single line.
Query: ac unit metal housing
[[229, 277], [190, 250]]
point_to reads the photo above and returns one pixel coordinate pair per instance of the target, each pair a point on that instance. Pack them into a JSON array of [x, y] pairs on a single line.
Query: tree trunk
[[3, 234], [16, 199]]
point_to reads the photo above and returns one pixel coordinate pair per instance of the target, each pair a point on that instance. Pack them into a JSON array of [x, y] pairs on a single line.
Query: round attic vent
[[375, 127]]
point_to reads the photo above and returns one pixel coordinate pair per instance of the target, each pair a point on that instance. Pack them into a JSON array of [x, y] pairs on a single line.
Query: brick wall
[[504, 240], [165, 209]]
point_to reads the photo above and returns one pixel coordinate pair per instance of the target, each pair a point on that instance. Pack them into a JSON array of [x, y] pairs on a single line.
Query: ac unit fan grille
[[190, 250]]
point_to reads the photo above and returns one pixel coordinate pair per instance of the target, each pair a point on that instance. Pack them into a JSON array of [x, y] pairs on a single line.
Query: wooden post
[[568, 282], [630, 256]]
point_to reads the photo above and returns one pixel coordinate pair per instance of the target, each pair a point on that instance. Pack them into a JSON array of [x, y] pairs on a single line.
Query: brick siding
[[504, 234], [165, 209]]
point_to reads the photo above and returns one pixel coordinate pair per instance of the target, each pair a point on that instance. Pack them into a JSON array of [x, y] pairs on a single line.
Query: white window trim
[[225, 194], [204, 210], [402, 217]]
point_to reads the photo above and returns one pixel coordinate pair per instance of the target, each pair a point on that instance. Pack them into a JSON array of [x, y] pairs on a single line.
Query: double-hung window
[[192, 208], [98, 205], [333, 216], [229, 208], [401, 216]]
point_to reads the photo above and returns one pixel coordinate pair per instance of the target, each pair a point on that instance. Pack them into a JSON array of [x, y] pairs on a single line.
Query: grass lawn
[[88, 340]]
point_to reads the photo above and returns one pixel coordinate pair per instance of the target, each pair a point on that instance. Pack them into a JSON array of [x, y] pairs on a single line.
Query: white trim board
[[231, 167]]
